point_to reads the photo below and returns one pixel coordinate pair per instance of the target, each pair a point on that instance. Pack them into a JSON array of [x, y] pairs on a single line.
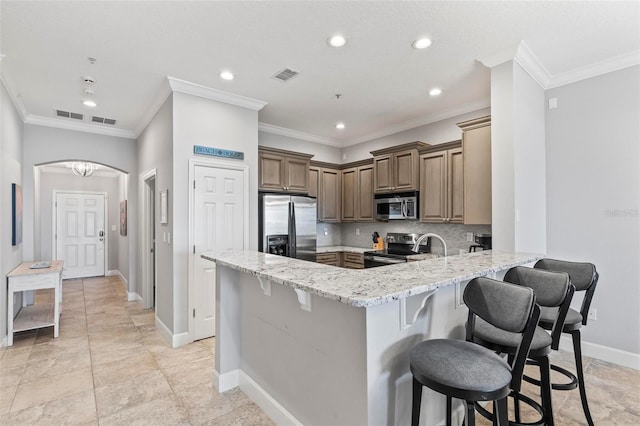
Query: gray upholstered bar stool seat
[[552, 289], [584, 277], [464, 370]]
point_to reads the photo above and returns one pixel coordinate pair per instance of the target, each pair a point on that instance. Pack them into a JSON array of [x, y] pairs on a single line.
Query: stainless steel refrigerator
[[287, 225]]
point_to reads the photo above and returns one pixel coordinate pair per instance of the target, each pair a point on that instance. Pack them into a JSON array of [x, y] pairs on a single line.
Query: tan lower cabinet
[[325, 186], [332, 258], [357, 193], [442, 185], [343, 259], [353, 260]]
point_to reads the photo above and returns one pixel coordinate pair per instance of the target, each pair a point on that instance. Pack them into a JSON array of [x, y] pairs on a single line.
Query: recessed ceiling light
[[421, 43], [336, 41], [435, 92], [340, 126], [89, 103], [226, 75]]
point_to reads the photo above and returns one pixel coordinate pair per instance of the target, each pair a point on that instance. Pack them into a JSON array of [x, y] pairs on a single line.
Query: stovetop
[[400, 245]]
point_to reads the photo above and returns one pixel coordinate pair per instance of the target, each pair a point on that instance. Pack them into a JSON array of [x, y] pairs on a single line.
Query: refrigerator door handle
[[292, 232]]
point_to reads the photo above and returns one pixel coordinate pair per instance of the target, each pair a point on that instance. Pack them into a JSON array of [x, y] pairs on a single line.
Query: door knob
[[101, 233]]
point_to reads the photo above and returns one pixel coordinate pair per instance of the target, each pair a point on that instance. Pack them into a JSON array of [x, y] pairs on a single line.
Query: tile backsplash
[[455, 235]]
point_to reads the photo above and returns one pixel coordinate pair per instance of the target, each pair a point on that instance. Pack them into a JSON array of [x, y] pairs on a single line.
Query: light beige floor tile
[[10, 376], [6, 398], [52, 388], [187, 374], [155, 342], [24, 339], [163, 411], [125, 369], [138, 390], [116, 353], [60, 346], [15, 356], [77, 409], [204, 403], [66, 362], [174, 356], [247, 415], [144, 319]]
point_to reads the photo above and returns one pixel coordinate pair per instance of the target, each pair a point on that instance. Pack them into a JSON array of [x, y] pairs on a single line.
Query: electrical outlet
[[113, 227], [469, 236], [357, 231], [593, 314]]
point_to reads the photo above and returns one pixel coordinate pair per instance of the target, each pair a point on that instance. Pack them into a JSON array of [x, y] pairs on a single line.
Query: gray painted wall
[[70, 182], [326, 153], [123, 241], [11, 163], [155, 151], [593, 195], [48, 145]]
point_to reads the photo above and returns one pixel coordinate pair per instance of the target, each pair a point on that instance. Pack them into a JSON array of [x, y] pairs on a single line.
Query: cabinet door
[[271, 172], [455, 186], [330, 195], [476, 144], [433, 187], [297, 175], [364, 202], [383, 173], [405, 168], [349, 194], [314, 189]]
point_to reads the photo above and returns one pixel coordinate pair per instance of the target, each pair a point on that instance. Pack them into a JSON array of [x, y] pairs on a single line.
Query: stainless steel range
[[398, 248]]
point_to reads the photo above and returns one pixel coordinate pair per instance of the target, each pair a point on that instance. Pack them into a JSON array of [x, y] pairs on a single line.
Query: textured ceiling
[[383, 81]]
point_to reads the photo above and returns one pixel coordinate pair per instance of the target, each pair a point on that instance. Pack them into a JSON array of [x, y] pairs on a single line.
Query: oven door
[[373, 261]]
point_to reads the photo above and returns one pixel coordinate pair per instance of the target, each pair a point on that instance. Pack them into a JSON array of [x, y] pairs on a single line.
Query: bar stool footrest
[[557, 386]]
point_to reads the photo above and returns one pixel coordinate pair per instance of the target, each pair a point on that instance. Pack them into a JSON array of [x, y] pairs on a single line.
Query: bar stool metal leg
[[577, 350], [417, 400]]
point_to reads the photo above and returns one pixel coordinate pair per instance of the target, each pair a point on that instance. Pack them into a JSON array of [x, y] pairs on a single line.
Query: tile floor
[[110, 367]]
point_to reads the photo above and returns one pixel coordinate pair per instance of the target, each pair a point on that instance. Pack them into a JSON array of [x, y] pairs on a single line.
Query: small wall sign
[[218, 152]]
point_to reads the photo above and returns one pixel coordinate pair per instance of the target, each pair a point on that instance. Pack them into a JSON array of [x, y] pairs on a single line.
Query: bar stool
[[585, 278], [465, 370], [552, 289]]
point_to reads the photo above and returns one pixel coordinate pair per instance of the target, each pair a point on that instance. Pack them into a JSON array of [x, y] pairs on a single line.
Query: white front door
[[80, 234], [218, 225]]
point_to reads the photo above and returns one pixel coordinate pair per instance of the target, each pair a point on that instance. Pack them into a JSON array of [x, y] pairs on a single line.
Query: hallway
[[110, 367]]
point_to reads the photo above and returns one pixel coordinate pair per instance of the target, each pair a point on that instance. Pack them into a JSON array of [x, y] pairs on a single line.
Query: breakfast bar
[[319, 345]]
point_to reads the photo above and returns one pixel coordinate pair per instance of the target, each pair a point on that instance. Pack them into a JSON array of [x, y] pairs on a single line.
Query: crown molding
[[283, 131], [189, 88], [15, 97], [79, 127], [593, 70], [156, 104], [412, 124], [532, 65]]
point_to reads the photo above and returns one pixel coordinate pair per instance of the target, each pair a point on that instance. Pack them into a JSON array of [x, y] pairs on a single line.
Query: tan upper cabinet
[[357, 192], [283, 171], [441, 185], [476, 145], [397, 169], [324, 183]]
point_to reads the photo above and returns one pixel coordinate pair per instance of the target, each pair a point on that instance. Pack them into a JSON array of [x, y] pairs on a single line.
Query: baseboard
[[604, 353], [226, 381], [4, 342], [270, 406], [133, 297], [175, 340], [115, 272]]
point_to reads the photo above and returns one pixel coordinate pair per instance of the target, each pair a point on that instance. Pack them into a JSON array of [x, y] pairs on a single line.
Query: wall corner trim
[[189, 88]]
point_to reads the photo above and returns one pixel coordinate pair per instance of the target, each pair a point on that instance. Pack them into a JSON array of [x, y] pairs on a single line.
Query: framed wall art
[[123, 218], [16, 214]]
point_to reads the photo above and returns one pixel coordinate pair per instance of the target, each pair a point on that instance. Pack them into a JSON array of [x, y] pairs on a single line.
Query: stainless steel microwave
[[396, 206]]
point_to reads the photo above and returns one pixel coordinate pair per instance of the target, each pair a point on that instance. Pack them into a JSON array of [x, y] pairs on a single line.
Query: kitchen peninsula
[[320, 345]]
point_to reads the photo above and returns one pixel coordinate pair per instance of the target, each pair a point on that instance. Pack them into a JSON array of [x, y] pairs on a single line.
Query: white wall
[[11, 163], [47, 145], [326, 153], [155, 149], [70, 182], [199, 121], [593, 195], [434, 133]]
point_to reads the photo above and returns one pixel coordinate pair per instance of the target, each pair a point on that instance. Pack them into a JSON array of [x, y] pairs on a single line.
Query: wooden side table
[[38, 315]]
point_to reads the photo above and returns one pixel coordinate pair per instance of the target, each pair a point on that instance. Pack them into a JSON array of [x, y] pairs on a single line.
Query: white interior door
[[218, 225], [80, 235]]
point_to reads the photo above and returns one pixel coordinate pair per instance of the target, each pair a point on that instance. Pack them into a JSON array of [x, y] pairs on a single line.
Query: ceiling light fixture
[[421, 43], [226, 75], [83, 168], [336, 41], [89, 103], [435, 92], [340, 126]]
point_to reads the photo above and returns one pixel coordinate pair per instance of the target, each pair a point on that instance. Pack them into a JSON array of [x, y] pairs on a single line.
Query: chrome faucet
[[416, 246]]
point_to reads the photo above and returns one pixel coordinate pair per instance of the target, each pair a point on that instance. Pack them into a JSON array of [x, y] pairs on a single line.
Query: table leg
[[56, 309], [10, 315]]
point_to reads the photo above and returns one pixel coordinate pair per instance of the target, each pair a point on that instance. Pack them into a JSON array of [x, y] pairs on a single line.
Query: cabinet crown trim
[[475, 123], [270, 150], [441, 147], [403, 147]]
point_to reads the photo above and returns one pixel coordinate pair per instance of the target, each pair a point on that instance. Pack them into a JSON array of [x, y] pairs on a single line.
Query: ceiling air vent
[[285, 75], [67, 114], [103, 120]]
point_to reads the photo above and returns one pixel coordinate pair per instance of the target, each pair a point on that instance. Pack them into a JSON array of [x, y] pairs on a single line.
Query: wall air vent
[[67, 114], [285, 75], [103, 120]]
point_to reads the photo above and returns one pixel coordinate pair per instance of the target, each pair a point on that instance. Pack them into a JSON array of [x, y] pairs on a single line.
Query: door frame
[[203, 162], [54, 222], [147, 265]]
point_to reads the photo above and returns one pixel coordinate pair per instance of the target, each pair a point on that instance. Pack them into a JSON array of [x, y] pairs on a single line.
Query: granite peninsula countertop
[[373, 286]]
